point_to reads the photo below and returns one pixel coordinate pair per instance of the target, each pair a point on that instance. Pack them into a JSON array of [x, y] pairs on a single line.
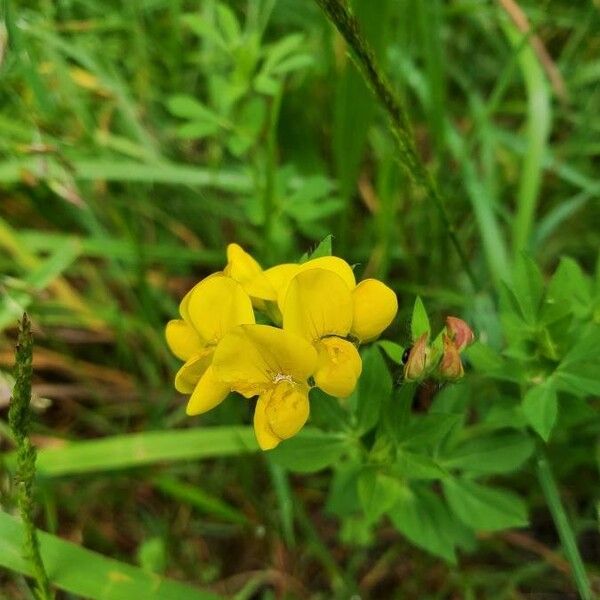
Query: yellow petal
[[318, 303], [216, 305], [287, 408], [253, 357], [338, 368], [187, 377], [244, 269], [183, 305], [328, 263], [335, 264], [209, 392], [266, 438], [375, 306], [281, 412], [182, 339]]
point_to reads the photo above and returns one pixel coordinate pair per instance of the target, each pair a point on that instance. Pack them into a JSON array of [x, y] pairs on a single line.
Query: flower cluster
[[444, 362], [320, 315]]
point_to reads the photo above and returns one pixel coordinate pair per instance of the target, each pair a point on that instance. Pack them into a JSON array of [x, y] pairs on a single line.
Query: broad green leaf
[[196, 130], [579, 371], [482, 507], [498, 453], [309, 451], [151, 555], [540, 407], [411, 465], [569, 290], [419, 323], [88, 574], [137, 449], [424, 519], [428, 430], [374, 388], [378, 492], [393, 351], [187, 107]]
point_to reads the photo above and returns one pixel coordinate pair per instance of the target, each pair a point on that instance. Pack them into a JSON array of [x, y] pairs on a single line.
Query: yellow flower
[[318, 307], [209, 310], [275, 365], [244, 269]]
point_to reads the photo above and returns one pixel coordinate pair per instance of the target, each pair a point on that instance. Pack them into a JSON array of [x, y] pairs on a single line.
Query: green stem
[[19, 417], [565, 531], [348, 27]]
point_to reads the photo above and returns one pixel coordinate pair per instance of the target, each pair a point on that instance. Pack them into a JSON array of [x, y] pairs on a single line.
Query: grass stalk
[[19, 418], [347, 25], [561, 521]]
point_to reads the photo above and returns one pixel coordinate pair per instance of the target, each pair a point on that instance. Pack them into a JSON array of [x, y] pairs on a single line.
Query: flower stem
[[565, 531], [347, 25], [19, 418]]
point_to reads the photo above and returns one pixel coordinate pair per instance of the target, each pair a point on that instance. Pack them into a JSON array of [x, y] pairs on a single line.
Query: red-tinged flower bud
[[460, 333], [451, 365], [418, 359]]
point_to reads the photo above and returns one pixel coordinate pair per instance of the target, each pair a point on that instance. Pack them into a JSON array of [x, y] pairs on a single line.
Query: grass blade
[[87, 573]]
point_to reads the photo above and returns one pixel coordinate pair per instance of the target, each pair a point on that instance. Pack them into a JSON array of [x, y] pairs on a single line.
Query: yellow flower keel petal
[[338, 367], [287, 409], [266, 438], [208, 393]]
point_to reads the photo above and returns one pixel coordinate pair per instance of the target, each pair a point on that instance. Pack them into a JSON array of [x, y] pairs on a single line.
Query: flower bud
[[418, 359], [460, 333], [451, 366]]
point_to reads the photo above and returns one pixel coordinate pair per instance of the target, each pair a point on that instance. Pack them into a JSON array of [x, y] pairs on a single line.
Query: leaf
[[579, 371], [528, 288], [88, 574], [323, 249], [482, 507], [374, 386], [309, 451], [500, 453], [378, 492], [196, 130], [419, 323], [137, 449], [428, 430], [414, 466], [568, 290], [540, 407], [187, 107], [342, 499], [393, 351], [424, 519]]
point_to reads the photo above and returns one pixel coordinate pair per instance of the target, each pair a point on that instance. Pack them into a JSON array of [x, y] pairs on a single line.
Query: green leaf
[[374, 387], [540, 407], [419, 323], [151, 555], [414, 466], [137, 449], [428, 430], [424, 519], [88, 574], [393, 351], [528, 288], [378, 492], [579, 371], [342, 499], [569, 290], [323, 249], [187, 107], [500, 453], [482, 507], [309, 451]]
